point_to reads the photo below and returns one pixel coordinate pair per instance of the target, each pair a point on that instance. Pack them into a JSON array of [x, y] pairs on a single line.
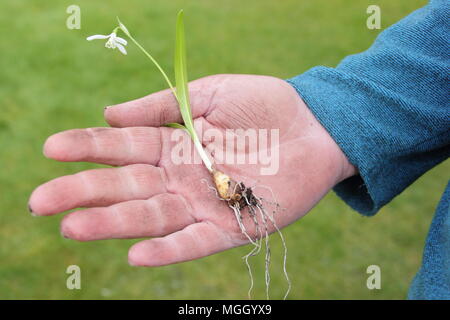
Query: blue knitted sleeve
[[388, 108]]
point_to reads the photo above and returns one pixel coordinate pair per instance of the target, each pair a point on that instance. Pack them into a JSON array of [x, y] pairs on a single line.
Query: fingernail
[[31, 211], [132, 264]]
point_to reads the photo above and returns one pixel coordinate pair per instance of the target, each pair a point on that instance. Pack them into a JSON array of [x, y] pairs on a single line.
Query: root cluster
[[239, 197]]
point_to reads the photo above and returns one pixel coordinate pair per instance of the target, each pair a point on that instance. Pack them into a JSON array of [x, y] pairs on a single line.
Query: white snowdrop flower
[[113, 41]]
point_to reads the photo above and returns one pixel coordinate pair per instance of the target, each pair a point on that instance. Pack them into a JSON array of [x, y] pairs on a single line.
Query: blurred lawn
[[52, 79]]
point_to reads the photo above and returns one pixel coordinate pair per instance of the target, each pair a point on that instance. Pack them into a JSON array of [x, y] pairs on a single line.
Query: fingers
[[98, 187], [161, 107], [106, 145], [195, 241], [160, 215]]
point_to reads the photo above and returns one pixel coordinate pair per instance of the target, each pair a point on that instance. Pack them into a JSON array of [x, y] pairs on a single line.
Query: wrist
[[348, 169]]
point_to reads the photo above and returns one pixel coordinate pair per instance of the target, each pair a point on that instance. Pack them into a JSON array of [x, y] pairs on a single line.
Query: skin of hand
[[147, 195]]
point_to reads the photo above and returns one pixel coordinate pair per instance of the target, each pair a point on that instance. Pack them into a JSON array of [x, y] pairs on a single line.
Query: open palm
[[151, 196]]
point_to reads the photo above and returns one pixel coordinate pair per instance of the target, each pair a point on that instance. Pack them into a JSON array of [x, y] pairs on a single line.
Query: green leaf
[[182, 91], [176, 126], [181, 78]]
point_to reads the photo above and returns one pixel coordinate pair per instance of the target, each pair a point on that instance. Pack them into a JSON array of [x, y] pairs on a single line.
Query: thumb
[[161, 107]]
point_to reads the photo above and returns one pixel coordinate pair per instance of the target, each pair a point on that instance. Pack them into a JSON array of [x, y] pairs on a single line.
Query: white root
[[212, 188], [267, 258], [238, 197], [255, 251], [237, 214], [272, 220], [252, 253]]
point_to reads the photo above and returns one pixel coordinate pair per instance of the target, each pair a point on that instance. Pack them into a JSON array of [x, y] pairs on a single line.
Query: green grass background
[[51, 79]]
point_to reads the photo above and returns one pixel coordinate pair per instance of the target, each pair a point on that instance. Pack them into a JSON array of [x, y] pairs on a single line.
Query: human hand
[[150, 196]]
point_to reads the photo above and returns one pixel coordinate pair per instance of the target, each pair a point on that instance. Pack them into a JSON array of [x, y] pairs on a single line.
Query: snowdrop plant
[[236, 195]]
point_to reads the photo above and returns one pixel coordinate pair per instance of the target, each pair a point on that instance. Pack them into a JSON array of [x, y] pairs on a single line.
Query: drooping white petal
[[121, 48], [121, 41], [98, 36]]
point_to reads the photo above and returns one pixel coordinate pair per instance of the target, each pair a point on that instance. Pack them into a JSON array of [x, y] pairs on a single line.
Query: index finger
[[161, 107]]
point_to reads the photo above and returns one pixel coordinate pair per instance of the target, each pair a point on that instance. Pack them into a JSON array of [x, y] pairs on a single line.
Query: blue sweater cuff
[[344, 126], [387, 108], [390, 141]]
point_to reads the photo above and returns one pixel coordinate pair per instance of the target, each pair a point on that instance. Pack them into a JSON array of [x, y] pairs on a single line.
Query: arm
[[388, 108]]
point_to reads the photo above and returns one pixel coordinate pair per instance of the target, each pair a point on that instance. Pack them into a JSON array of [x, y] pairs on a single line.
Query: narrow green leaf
[[182, 94], [176, 126], [181, 78]]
